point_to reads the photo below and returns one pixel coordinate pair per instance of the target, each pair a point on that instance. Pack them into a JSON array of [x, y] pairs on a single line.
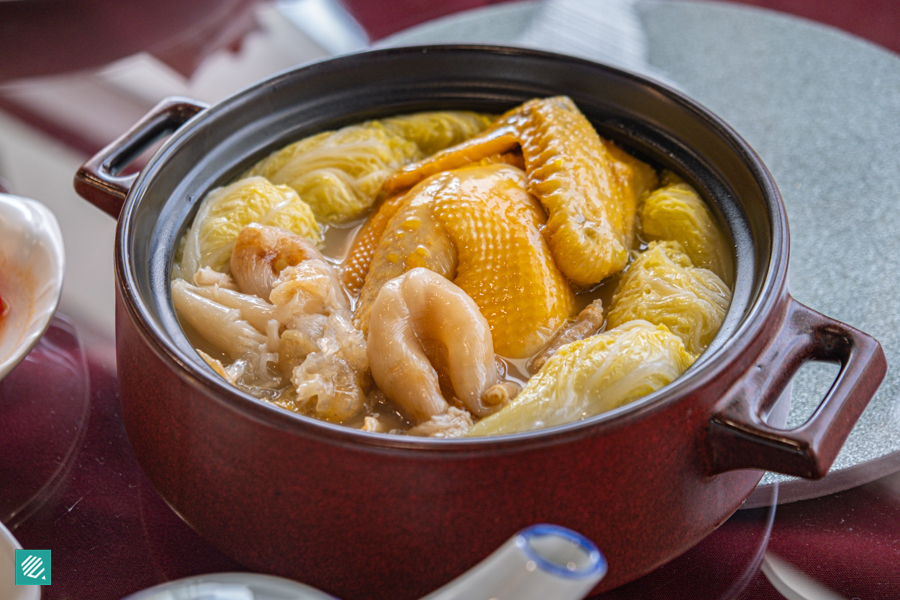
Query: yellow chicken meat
[[480, 228], [588, 186], [356, 266]]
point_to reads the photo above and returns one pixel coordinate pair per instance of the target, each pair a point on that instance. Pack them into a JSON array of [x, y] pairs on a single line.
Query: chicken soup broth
[[453, 274]]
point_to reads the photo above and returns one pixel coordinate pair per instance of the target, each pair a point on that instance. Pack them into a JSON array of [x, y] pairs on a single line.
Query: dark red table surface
[[48, 37], [70, 482]]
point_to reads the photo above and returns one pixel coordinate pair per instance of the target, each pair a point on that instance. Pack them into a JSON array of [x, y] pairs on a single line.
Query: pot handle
[[738, 437], [98, 180]]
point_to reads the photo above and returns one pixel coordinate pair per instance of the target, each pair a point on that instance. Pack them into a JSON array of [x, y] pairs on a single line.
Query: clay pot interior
[[227, 138]]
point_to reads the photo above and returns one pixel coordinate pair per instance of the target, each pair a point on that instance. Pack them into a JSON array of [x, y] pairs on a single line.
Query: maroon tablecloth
[[40, 38], [69, 482]]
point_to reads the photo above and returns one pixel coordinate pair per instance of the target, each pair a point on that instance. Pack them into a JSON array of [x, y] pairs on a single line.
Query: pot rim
[[709, 366]]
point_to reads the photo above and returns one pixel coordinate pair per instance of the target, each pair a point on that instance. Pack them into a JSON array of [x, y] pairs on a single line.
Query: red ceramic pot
[[376, 516]]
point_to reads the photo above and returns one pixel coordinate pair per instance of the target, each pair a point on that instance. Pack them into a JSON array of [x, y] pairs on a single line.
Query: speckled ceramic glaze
[[374, 516]]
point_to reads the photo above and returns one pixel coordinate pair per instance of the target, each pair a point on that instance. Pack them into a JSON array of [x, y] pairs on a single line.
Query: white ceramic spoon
[[539, 562]]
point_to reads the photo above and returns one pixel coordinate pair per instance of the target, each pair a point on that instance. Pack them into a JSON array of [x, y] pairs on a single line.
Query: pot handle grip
[[99, 181], [739, 438]]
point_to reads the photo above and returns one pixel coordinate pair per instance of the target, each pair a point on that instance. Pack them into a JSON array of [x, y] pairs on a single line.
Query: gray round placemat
[[822, 109]]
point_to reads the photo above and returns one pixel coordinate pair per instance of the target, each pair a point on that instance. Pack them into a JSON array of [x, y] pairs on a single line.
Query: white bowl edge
[[9, 591], [32, 260]]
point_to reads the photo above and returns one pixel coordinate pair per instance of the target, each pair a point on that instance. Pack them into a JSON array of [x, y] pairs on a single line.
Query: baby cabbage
[[225, 211], [591, 376], [339, 173], [676, 213], [662, 286]]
